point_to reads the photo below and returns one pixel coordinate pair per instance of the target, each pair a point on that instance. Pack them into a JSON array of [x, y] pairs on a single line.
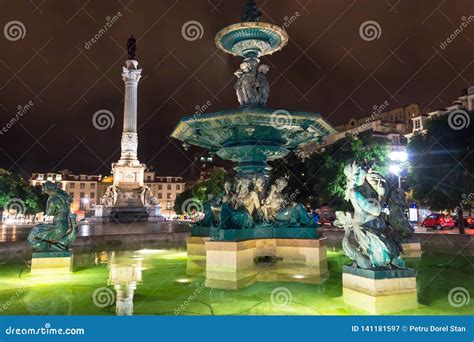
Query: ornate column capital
[[131, 74]]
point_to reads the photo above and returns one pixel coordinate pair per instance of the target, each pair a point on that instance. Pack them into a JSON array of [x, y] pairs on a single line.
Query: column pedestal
[[379, 291]]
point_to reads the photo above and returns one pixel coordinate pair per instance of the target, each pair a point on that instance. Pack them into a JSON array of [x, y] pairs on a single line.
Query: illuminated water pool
[[165, 282]]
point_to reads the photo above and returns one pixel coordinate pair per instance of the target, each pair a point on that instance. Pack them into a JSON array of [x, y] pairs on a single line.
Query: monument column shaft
[[130, 107], [131, 76]]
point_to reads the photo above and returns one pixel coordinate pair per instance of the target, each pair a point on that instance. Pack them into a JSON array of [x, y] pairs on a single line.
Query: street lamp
[[397, 157]]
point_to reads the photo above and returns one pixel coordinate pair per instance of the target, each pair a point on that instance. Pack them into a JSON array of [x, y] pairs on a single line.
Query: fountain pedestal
[[51, 263], [232, 264], [379, 291]]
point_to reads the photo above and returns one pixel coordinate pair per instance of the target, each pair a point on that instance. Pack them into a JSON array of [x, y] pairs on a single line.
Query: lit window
[[417, 124]]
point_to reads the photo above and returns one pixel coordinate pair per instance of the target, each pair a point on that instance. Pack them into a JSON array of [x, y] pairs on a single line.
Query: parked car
[[438, 222], [468, 222]]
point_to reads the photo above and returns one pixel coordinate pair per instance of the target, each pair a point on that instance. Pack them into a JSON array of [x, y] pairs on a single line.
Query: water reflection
[[275, 271], [125, 272]]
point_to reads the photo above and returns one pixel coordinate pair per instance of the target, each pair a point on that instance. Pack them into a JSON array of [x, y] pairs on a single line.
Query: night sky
[[326, 67]]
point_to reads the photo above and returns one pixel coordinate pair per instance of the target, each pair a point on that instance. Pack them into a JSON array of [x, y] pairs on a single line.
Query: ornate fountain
[[253, 218], [250, 136]]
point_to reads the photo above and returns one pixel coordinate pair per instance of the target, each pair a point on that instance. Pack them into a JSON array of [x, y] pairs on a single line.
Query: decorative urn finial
[[251, 12]]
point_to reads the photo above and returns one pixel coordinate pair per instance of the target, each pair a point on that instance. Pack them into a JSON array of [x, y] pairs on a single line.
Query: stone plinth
[[231, 264], [412, 249], [309, 251], [196, 246], [379, 291], [51, 263]]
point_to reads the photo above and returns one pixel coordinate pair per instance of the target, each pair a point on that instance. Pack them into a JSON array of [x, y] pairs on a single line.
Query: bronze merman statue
[[56, 236]]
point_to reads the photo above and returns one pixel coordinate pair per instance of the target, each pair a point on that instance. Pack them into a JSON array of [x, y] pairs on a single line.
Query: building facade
[[165, 190], [464, 102], [83, 189], [384, 125]]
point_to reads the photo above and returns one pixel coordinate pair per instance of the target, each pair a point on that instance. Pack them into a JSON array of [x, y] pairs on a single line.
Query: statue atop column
[[132, 48]]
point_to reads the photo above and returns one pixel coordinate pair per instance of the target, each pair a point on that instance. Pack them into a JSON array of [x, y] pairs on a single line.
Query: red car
[[438, 222]]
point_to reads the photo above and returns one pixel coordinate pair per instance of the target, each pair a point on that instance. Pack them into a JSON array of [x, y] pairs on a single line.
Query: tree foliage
[[442, 164], [13, 187], [320, 180], [214, 186]]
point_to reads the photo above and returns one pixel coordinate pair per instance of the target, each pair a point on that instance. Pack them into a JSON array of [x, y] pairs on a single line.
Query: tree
[[442, 165], [326, 168], [17, 194], [214, 186]]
